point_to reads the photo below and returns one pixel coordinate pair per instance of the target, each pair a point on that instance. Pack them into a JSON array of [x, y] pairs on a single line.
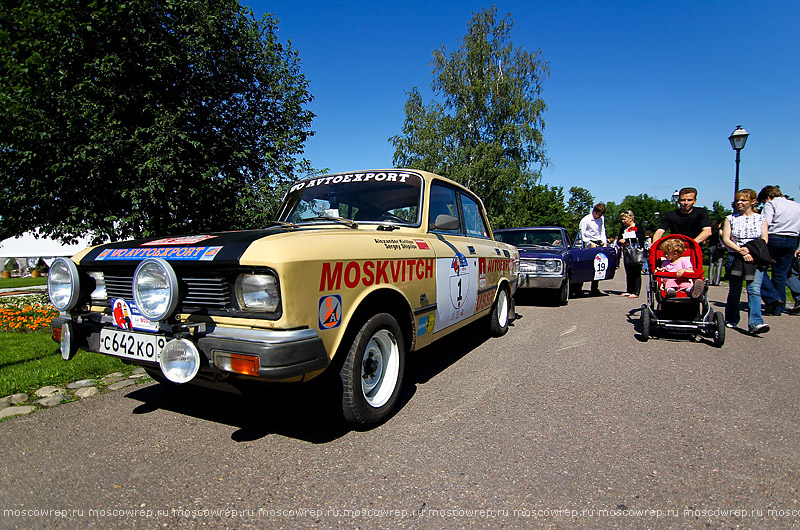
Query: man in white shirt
[[593, 234], [593, 227]]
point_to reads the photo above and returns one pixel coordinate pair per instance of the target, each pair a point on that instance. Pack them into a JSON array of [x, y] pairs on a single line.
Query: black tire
[[563, 292], [501, 314], [372, 372], [719, 329], [645, 322]]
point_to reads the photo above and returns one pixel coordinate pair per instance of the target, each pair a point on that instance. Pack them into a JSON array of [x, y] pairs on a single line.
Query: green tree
[[580, 203], [485, 131], [144, 117]]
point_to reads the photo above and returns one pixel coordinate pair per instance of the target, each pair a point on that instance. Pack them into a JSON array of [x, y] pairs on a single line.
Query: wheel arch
[[388, 301]]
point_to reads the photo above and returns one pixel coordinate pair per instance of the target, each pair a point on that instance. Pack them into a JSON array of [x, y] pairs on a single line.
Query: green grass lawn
[[12, 283], [29, 361]]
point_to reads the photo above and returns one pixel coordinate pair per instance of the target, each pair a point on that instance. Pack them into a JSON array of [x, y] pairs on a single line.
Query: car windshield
[[528, 238], [371, 197]]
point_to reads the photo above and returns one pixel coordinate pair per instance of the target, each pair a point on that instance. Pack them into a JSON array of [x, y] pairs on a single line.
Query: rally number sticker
[[456, 280], [600, 266]]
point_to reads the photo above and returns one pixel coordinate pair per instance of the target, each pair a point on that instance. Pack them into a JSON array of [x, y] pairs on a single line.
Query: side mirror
[[446, 222]]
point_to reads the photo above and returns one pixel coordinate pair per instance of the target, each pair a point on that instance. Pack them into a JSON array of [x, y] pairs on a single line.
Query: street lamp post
[[737, 139], [675, 197]]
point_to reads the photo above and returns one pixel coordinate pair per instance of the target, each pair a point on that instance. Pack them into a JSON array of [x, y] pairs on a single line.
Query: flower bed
[[26, 313]]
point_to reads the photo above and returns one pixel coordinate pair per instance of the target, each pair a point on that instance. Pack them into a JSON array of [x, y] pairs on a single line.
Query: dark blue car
[[549, 259]]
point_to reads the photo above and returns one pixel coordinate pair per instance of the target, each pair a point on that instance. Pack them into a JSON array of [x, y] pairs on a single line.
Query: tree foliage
[[144, 117], [485, 128]]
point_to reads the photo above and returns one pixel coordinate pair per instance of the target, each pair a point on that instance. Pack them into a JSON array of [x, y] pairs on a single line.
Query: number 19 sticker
[[600, 266]]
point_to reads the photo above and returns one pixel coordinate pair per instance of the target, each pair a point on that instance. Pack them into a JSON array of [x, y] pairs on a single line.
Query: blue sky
[[641, 97]]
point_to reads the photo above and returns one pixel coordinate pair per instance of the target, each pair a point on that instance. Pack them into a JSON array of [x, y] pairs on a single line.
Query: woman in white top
[[739, 229]]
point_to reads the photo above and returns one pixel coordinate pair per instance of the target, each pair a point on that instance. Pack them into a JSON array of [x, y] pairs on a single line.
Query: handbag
[[633, 255]]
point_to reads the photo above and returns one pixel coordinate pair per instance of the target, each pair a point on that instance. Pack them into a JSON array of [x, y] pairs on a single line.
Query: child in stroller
[[675, 261], [676, 292]]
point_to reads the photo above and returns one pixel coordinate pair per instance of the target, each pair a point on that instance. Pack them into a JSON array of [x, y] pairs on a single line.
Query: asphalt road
[[569, 421]]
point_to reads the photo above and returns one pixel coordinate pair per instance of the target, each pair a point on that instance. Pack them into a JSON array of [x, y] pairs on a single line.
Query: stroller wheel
[[645, 322], [719, 330]]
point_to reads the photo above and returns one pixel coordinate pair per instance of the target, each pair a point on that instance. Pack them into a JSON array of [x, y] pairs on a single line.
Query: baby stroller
[[681, 313]]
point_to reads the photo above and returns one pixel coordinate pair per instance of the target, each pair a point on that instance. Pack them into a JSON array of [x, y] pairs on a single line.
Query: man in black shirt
[[686, 220]]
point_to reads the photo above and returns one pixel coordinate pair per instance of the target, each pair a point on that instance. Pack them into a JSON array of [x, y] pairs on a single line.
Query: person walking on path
[[593, 234], [631, 235], [739, 230], [783, 219], [686, 220]]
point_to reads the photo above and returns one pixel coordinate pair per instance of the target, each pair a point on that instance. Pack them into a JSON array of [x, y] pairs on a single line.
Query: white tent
[[27, 249]]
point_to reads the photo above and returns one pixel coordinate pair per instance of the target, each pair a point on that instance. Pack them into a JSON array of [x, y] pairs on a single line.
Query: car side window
[[442, 202], [473, 220]]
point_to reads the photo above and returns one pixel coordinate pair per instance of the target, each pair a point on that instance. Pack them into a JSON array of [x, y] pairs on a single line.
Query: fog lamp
[[68, 341], [180, 361]]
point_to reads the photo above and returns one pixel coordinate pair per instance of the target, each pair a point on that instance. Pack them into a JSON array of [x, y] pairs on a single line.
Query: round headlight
[[179, 361], [63, 285], [155, 289], [553, 265]]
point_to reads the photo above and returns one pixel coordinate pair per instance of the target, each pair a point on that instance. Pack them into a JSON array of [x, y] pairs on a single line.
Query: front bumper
[[537, 281], [282, 354]]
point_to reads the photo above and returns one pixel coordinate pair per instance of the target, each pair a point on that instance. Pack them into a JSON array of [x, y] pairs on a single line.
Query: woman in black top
[[631, 235]]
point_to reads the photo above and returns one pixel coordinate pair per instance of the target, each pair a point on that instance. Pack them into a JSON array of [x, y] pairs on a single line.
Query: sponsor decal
[[353, 177], [484, 300], [397, 244], [373, 272], [481, 273], [600, 266], [167, 253], [426, 324], [422, 244], [127, 316], [330, 311], [185, 240]]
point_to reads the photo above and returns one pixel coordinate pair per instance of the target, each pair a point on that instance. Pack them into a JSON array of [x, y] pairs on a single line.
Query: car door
[[456, 258], [590, 263]]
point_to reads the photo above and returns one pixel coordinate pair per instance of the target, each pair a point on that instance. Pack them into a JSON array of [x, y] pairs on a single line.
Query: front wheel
[[501, 311], [645, 322], [563, 292], [372, 372], [719, 329]]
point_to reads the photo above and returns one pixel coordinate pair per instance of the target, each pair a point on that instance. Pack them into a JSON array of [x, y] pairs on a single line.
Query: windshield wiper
[[280, 223], [342, 220]]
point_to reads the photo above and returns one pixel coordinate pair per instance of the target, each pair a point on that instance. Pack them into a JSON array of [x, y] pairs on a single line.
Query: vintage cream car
[[359, 269]]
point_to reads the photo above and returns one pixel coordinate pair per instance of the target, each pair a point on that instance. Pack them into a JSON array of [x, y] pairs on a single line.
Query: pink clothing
[[678, 284]]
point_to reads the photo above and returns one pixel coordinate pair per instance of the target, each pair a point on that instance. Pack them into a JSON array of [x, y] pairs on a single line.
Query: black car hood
[[221, 248]]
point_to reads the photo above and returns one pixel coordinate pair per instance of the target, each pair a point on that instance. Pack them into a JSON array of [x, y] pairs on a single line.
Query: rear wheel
[[501, 311], [719, 329], [372, 372], [645, 322]]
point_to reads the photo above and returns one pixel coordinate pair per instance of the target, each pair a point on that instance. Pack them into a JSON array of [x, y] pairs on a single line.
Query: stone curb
[[51, 396]]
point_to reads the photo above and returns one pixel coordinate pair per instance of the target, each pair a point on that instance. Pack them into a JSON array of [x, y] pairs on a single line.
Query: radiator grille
[[202, 291]]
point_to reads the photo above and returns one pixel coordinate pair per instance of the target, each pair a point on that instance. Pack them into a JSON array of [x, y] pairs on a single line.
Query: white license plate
[[131, 345]]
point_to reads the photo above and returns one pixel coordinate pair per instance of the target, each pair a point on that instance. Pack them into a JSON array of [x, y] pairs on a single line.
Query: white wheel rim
[[380, 368], [502, 309]]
